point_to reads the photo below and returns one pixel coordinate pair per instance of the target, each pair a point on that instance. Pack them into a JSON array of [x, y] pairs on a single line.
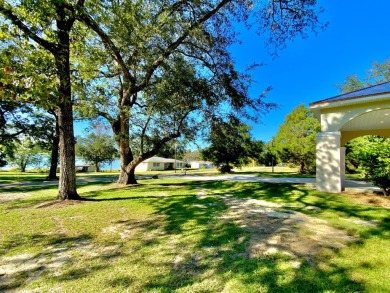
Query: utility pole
[[272, 154], [175, 156]]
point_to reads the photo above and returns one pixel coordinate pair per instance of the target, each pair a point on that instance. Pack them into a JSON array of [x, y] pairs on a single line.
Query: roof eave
[[349, 101]]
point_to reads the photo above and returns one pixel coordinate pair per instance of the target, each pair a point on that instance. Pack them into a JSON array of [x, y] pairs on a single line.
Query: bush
[[375, 160]]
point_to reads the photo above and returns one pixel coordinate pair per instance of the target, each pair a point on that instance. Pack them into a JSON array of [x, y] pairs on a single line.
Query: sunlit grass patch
[[14, 176], [169, 234]]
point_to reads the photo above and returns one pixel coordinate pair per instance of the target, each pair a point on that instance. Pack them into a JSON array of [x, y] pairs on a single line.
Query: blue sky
[[308, 70]]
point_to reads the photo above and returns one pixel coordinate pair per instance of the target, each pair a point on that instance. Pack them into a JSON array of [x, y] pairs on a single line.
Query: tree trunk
[[126, 175], [97, 167], [23, 167], [67, 182], [121, 129], [302, 167], [54, 154]]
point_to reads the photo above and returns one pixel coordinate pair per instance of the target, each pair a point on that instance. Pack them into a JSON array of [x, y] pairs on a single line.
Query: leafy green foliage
[[26, 154], [230, 144], [375, 162], [166, 67], [96, 149], [43, 29], [295, 141], [191, 155]]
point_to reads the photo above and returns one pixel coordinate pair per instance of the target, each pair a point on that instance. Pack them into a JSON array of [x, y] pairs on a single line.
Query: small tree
[[26, 154], [96, 149], [296, 138], [375, 162], [230, 144]]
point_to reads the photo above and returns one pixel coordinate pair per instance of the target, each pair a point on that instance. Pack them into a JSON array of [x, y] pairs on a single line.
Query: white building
[[201, 164], [345, 117], [159, 164]]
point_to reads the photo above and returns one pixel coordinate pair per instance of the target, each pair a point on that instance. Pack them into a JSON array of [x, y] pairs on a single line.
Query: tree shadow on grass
[[206, 252], [221, 248], [307, 278]]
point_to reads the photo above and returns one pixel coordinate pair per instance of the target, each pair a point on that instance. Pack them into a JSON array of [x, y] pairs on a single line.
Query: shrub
[[375, 160]]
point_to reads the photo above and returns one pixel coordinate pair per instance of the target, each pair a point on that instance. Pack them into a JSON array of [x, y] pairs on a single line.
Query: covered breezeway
[[345, 117]]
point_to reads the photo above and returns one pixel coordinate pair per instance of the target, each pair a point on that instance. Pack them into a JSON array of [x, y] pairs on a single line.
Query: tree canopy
[[173, 71], [43, 30], [375, 162], [156, 70], [96, 148], [230, 144], [295, 141], [378, 73]]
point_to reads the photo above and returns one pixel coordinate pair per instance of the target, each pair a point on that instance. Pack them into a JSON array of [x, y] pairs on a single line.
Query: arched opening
[[344, 117], [372, 122]]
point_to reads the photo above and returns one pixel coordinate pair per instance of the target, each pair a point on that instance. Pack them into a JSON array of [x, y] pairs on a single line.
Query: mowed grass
[[7, 177], [160, 236]]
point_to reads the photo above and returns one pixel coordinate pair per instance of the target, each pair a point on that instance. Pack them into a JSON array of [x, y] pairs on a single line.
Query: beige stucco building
[[159, 164], [344, 117]]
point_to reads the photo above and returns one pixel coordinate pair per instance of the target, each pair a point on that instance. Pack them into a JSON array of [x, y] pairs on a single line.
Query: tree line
[[154, 70]]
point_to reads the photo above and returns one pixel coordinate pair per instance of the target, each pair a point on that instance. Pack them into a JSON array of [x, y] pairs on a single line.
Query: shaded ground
[[273, 229], [277, 230]]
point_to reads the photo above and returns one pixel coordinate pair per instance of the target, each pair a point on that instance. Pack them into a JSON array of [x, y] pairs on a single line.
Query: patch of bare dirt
[[369, 198], [58, 203], [52, 258], [10, 196], [276, 230]]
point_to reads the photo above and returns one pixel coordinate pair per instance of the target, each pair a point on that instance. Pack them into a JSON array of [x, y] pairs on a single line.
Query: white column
[[329, 162], [342, 166]]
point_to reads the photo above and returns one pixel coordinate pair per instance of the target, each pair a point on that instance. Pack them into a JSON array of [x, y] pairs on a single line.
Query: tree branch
[[108, 43], [106, 115], [143, 133], [169, 50], [7, 12]]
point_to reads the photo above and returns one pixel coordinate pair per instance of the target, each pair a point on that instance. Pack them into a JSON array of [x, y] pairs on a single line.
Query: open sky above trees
[[309, 70]]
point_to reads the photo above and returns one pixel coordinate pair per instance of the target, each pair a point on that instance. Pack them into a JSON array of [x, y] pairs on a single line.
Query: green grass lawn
[[161, 236], [31, 176], [12, 177]]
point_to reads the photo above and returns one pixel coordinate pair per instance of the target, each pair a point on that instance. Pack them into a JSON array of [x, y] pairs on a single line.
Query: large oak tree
[[166, 68], [47, 25], [166, 63]]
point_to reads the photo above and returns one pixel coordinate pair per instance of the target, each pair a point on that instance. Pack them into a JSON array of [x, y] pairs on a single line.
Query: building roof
[[378, 89], [161, 160]]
